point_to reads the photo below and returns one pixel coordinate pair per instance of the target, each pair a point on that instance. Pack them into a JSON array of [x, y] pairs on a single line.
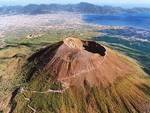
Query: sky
[[122, 3]]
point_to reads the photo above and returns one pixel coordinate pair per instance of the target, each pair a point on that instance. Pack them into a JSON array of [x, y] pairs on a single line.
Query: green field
[[15, 55], [138, 50]]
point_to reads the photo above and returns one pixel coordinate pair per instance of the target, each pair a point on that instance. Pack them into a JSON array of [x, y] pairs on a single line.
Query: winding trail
[[22, 90], [85, 71], [34, 110], [65, 85]]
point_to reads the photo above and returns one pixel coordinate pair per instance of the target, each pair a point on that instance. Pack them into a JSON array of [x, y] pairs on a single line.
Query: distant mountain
[[82, 7]]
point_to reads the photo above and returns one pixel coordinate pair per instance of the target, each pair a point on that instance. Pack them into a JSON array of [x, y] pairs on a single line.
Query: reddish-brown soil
[[74, 61], [76, 76]]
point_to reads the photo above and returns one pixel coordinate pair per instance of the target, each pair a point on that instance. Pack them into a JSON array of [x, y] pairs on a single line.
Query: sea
[[133, 41], [140, 20]]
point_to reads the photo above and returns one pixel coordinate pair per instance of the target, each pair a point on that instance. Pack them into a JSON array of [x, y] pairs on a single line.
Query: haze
[[122, 3]]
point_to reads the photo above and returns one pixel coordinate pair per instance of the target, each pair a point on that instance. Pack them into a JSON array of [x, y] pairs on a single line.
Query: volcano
[[75, 61], [78, 76]]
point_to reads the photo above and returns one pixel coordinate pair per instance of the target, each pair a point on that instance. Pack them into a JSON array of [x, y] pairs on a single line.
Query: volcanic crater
[[78, 76], [75, 61]]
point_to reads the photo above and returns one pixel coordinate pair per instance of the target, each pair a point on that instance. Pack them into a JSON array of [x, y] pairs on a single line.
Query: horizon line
[[127, 6]]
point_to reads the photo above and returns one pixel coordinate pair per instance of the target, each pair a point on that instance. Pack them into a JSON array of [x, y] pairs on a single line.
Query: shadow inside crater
[[94, 47]]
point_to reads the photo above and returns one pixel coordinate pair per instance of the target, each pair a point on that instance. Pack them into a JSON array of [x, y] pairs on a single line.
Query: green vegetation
[[12, 59], [135, 49], [13, 56], [53, 36], [74, 100], [118, 98]]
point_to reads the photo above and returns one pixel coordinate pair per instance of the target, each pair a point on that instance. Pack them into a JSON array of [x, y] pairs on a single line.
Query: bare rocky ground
[[12, 58], [86, 77], [26, 27]]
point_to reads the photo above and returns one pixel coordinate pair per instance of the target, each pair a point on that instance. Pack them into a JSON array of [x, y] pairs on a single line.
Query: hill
[[78, 76], [83, 8]]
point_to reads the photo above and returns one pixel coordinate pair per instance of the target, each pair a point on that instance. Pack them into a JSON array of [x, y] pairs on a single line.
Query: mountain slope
[[82, 7], [76, 76]]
